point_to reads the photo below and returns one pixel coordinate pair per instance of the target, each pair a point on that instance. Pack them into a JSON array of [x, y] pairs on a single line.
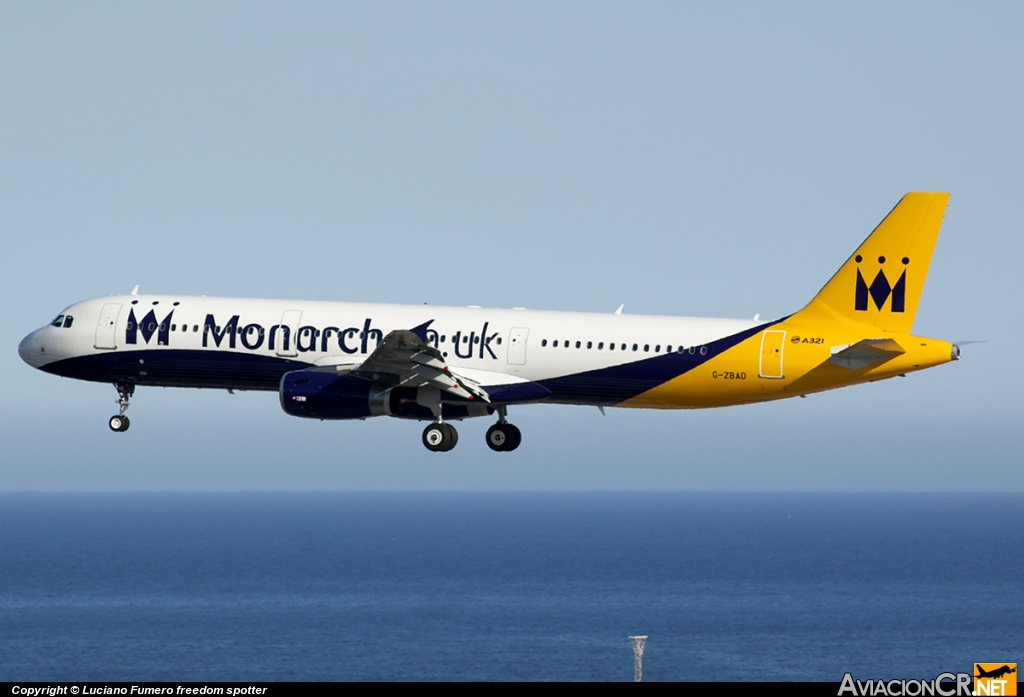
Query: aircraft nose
[[30, 350]]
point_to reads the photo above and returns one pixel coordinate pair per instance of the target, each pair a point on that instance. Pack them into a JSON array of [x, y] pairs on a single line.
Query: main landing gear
[[440, 437], [120, 422], [503, 437]]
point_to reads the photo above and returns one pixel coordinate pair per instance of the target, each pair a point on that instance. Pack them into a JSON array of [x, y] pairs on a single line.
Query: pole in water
[[638, 657]]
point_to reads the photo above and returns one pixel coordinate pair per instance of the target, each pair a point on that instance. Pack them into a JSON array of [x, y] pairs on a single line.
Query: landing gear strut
[[120, 422], [440, 437], [503, 437]]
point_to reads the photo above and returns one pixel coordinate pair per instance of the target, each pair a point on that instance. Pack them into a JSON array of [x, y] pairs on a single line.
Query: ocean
[[506, 586]]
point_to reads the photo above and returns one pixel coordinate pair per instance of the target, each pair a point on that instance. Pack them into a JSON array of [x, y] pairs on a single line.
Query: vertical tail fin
[[882, 282]]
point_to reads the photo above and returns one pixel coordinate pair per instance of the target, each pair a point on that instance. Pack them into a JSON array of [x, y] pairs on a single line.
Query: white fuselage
[[493, 346]]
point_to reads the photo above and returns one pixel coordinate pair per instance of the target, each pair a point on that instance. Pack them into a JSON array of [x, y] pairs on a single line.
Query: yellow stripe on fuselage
[[743, 373]]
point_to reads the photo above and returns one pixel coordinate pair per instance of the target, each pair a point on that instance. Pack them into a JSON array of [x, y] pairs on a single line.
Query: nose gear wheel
[[120, 422]]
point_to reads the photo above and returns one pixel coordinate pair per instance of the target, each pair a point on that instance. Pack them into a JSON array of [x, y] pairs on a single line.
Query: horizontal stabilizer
[[865, 352]]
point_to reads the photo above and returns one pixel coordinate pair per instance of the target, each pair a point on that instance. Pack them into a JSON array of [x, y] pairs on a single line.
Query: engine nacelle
[[323, 394]]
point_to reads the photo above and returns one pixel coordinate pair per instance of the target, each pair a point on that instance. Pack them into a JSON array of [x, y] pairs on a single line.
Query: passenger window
[[634, 347], [647, 347], [590, 344], [703, 350], [58, 322], [67, 321], [195, 327], [544, 342], [623, 347], [668, 349], [600, 346], [443, 338], [657, 349], [611, 347], [577, 344], [692, 349], [499, 341]]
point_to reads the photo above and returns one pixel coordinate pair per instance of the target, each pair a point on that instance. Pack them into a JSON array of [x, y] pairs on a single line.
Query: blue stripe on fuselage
[[179, 368], [610, 386]]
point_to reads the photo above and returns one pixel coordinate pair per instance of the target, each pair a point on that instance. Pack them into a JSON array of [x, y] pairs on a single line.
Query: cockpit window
[[68, 320], [58, 322]]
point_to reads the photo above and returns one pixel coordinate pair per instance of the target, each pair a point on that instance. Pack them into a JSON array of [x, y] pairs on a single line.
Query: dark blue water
[[506, 586]]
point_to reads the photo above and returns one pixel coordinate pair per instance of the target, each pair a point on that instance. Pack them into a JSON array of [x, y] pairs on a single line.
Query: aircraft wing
[[404, 358], [865, 352]]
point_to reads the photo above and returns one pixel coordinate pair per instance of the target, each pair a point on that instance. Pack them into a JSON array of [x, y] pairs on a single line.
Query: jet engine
[[323, 394]]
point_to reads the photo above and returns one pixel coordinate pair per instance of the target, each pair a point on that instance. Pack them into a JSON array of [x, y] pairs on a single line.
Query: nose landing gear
[[120, 422]]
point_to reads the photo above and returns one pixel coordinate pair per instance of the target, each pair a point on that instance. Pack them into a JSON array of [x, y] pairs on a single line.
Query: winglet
[[619, 311], [135, 290], [421, 331]]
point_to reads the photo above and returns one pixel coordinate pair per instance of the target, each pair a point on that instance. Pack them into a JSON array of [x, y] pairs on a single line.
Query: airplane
[[336, 360], [995, 673]]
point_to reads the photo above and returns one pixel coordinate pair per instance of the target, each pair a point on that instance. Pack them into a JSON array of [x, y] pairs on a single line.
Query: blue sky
[[702, 159]]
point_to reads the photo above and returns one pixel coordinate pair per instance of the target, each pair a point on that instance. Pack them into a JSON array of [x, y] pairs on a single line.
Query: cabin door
[[106, 325], [772, 343]]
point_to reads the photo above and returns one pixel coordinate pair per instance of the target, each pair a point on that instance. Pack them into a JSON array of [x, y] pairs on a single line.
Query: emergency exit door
[[289, 333], [517, 345]]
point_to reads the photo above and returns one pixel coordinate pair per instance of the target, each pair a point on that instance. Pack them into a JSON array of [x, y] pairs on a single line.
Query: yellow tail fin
[[882, 282]]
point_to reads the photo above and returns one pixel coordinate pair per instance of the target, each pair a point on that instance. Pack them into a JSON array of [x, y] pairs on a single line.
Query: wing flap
[[405, 359]]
